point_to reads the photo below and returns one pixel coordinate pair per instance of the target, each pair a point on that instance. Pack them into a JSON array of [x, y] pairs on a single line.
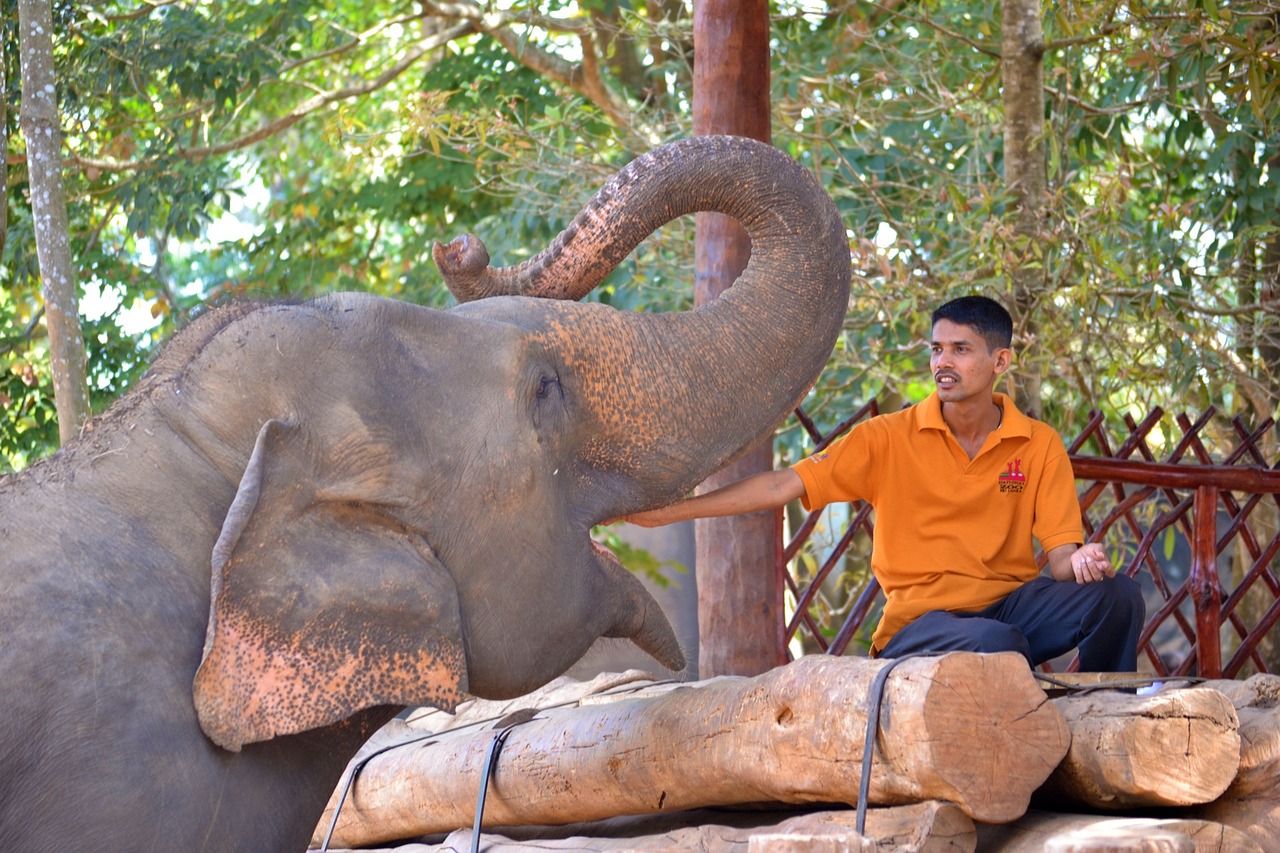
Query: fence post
[[1206, 591], [780, 572]]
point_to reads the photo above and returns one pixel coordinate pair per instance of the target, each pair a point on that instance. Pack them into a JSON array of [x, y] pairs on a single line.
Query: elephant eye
[[549, 386]]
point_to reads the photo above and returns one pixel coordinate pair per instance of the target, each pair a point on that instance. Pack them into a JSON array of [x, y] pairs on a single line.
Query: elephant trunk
[[674, 397]]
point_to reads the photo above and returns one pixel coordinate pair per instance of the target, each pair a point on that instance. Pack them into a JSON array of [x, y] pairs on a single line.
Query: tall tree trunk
[[4, 145], [39, 118], [1258, 351], [1022, 46], [737, 589], [1267, 332]]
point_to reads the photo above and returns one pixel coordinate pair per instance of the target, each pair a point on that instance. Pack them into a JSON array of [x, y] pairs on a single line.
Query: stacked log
[[1174, 748], [1252, 802], [964, 736], [1070, 833], [792, 735]]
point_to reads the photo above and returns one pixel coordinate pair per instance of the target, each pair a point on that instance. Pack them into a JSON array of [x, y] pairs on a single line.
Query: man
[[961, 483]]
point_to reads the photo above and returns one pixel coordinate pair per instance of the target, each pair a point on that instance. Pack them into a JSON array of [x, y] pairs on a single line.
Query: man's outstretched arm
[[766, 490]]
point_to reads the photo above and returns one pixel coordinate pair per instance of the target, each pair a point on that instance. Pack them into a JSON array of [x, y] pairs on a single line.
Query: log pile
[[966, 745]]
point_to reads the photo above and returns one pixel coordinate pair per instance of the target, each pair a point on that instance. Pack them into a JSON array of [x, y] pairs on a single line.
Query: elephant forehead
[[616, 362]]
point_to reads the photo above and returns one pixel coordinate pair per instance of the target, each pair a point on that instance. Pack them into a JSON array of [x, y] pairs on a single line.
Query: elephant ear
[[321, 606]]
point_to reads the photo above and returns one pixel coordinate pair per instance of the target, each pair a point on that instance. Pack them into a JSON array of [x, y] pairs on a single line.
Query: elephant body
[[308, 516]]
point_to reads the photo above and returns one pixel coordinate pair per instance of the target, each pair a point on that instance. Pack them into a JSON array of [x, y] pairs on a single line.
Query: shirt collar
[[1012, 425]]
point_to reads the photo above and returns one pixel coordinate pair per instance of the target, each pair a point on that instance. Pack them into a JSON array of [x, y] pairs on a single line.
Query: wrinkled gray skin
[[306, 517]]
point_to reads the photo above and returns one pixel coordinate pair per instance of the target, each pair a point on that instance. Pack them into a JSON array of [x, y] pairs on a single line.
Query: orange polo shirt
[[951, 533]]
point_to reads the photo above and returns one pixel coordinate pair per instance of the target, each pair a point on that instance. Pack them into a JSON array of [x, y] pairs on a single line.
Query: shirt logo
[[1013, 481]]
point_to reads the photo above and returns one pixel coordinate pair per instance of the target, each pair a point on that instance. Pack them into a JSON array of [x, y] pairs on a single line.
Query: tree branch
[[295, 115], [892, 12], [1075, 101], [583, 78], [26, 335]]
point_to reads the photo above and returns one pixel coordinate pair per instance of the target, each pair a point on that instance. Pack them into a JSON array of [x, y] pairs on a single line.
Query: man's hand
[[1086, 564]]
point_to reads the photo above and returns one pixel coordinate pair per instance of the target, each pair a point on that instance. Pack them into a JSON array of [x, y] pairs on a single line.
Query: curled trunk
[[673, 397]]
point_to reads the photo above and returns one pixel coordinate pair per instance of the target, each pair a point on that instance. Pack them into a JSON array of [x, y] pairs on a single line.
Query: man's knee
[[990, 636], [1124, 597]]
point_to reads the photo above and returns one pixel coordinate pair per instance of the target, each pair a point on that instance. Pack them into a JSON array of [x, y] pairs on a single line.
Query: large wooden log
[[1039, 832], [1173, 748], [1252, 803], [970, 729], [932, 827]]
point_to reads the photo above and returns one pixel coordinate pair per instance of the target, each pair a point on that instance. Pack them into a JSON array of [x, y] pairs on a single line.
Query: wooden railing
[[1201, 534]]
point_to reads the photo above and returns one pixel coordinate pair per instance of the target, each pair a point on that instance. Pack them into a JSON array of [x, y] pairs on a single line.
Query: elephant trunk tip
[[463, 263]]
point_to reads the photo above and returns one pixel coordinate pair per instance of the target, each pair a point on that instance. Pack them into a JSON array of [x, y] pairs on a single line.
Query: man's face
[[962, 365]]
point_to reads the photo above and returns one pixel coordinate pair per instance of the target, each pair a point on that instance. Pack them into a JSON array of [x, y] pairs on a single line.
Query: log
[[932, 827], [1173, 748], [1036, 831], [928, 827], [970, 729], [1252, 803], [1120, 840]]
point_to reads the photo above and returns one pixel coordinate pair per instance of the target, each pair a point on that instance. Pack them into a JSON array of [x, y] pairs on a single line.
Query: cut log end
[[1176, 748], [984, 754]]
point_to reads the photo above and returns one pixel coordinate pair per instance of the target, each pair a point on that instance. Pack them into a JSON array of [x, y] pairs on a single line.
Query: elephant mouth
[[640, 617]]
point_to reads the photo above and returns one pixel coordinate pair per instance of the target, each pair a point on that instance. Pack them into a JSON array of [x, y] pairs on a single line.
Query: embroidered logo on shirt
[[1013, 481]]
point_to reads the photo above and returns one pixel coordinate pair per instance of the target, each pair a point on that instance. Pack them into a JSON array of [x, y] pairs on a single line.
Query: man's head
[[985, 316], [970, 348]]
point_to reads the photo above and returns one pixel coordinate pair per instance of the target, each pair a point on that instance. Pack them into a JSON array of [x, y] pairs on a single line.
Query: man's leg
[[940, 631], [1103, 619]]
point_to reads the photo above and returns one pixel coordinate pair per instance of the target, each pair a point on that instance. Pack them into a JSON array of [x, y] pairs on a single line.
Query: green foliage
[[26, 394], [236, 149], [1161, 140], [637, 559]]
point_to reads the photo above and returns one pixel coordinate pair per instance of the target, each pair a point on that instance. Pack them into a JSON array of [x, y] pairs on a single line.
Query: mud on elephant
[[305, 517]]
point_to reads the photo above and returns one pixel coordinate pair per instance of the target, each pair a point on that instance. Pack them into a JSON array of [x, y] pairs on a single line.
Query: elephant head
[[413, 519]]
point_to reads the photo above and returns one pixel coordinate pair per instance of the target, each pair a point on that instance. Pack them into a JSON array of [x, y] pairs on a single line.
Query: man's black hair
[[985, 316]]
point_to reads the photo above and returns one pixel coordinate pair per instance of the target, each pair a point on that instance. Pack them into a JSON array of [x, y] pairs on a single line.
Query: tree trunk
[[1176, 748], [1258, 351], [1022, 46], [793, 735], [1039, 832], [39, 117], [4, 147], [738, 593], [1268, 331]]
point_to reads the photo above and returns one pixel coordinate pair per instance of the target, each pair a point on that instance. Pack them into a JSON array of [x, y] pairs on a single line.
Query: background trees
[[236, 148]]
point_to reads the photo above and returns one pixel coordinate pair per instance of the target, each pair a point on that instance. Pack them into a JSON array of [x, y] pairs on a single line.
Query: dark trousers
[[1042, 619]]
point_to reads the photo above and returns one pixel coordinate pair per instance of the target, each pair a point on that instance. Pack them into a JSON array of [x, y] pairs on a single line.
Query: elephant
[[306, 517]]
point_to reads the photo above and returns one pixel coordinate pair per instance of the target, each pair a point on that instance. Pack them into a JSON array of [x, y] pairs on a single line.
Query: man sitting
[[961, 483]]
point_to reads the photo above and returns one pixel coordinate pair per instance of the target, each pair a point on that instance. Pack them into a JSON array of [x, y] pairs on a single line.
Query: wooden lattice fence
[[1200, 529]]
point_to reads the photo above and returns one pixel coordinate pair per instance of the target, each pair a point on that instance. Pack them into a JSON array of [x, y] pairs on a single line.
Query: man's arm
[[1083, 564], [766, 490]]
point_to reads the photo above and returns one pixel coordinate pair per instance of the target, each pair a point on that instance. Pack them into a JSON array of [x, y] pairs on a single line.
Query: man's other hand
[[1086, 564], [1090, 563]]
